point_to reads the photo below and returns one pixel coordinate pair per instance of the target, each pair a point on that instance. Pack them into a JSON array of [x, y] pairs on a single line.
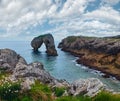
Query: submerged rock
[[48, 40]]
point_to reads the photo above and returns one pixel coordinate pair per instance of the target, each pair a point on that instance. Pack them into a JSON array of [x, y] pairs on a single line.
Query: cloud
[[104, 21], [27, 18], [18, 13], [110, 2]]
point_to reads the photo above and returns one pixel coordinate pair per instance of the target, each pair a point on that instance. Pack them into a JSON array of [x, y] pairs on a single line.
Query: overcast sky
[[25, 19]]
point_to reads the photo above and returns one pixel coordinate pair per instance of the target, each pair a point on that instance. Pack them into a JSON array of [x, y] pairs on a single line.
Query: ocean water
[[62, 66]]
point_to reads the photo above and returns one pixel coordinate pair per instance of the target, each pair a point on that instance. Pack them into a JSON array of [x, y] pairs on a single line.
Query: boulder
[[89, 87], [35, 71], [26, 84], [9, 59], [48, 40]]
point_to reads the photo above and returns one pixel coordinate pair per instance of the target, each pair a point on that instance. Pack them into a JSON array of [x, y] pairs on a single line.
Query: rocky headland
[[19, 70], [48, 40], [20, 81], [102, 54]]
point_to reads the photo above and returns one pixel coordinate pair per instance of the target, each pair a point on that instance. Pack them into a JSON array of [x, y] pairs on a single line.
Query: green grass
[[40, 87], [59, 91], [26, 98], [42, 92], [38, 92], [102, 96], [71, 39], [3, 73], [42, 36], [70, 98], [106, 96], [9, 91]]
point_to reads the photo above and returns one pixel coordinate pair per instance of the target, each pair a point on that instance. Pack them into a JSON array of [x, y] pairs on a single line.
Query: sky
[[26, 19]]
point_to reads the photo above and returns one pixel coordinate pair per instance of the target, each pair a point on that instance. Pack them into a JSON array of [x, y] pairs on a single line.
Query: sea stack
[[48, 40]]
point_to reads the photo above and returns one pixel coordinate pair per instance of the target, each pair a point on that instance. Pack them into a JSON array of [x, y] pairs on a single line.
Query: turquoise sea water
[[62, 66]]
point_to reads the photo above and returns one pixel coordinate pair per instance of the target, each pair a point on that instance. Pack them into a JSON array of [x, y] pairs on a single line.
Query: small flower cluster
[[9, 89]]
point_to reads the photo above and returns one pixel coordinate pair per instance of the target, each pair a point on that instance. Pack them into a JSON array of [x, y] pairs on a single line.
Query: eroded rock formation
[[89, 87], [48, 40], [14, 63], [9, 59], [29, 73], [98, 53]]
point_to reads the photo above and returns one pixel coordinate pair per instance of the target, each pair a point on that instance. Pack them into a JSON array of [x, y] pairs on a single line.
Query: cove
[[62, 66]]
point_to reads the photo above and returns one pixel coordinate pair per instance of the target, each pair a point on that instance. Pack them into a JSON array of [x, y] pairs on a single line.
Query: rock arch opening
[[48, 41]]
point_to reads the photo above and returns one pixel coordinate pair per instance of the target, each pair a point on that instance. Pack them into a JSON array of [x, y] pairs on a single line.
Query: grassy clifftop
[[11, 91]]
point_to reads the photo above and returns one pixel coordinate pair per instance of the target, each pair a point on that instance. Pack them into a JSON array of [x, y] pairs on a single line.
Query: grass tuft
[[59, 91]]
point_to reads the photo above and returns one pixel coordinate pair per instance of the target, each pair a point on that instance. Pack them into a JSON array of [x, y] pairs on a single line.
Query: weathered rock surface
[[28, 73], [108, 45], [48, 40], [97, 53], [9, 59], [89, 87], [34, 71]]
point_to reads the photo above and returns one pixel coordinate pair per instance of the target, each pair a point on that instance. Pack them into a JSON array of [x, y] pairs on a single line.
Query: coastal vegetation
[[20, 81], [71, 39], [40, 92]]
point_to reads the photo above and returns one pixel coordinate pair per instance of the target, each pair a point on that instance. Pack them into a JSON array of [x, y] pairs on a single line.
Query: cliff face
[[99, 53], [48, 40]]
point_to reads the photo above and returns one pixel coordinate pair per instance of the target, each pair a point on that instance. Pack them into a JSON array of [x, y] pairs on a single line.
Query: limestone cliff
[[48, 40], [98, 53]]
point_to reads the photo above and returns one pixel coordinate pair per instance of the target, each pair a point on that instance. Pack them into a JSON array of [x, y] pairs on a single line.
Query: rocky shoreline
[[27, 74], [102, 54]]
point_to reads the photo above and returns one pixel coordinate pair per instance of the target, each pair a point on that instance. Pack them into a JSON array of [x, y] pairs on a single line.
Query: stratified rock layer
[[48, 40], [98, 53]]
